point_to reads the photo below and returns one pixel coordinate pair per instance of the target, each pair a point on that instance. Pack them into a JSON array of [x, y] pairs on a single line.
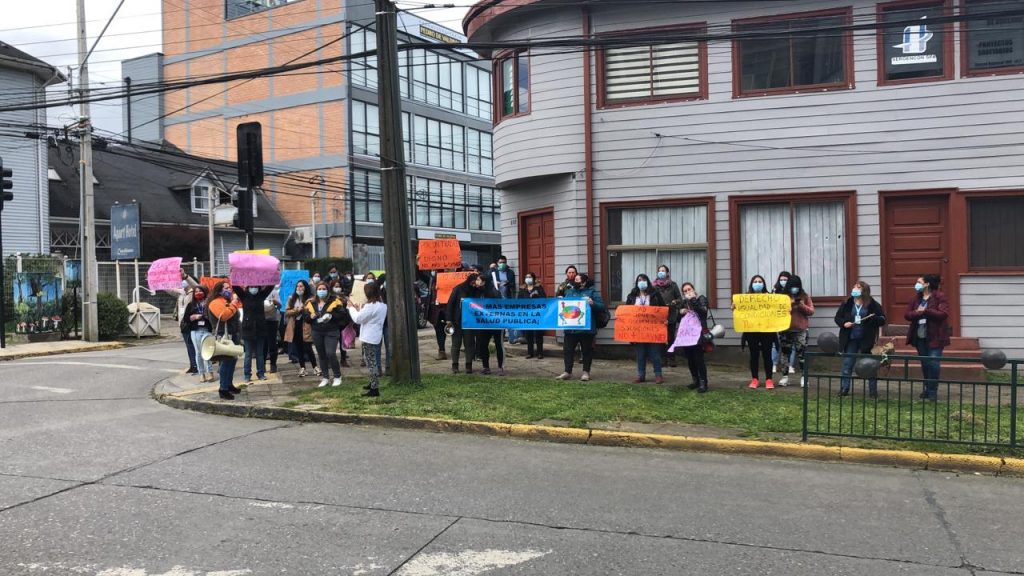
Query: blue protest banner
[[289, 278], [525, 314]]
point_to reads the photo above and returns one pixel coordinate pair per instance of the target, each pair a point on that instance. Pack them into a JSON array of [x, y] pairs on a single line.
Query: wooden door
[[537, 241], [915, 242]]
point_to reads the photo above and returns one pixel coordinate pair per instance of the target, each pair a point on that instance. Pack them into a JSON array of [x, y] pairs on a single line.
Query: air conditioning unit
[[303, 235]]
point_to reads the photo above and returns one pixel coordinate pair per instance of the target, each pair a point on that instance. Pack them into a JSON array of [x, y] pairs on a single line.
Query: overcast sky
[[47, 29]]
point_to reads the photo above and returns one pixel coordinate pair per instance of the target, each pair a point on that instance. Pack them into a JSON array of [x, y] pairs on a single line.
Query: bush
[[113, 316], [322, 265]]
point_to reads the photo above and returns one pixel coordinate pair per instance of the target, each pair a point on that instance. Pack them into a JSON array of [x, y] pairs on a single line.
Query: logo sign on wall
[[125, 232], [916, 50]]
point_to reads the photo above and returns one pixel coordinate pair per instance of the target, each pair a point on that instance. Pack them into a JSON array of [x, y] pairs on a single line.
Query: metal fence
[[124, 277], [978, 410]]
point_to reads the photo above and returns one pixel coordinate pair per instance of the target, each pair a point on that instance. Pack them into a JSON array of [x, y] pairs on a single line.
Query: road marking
[[54, 390], [94, 364], [62, 568], [280, 505], [467, 563]]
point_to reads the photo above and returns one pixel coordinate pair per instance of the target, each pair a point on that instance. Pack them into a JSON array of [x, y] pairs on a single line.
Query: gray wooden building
[[840, 140]]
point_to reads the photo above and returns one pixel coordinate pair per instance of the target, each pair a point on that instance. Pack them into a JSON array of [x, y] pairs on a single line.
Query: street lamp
[[319, 180]]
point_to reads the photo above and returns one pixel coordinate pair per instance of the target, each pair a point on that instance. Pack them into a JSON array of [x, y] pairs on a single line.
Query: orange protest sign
[[446, 282], [641, 324], [209, 282], [439, 254]]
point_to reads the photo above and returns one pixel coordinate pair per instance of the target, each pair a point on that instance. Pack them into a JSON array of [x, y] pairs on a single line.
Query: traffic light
[[250, 154], [243, 199], [5, 184]]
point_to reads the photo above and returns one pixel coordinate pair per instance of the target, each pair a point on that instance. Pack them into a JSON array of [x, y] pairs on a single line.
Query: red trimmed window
[[794, 53], [993, 45], [659, 73], [996, 237], [512, 77], [914, 50]]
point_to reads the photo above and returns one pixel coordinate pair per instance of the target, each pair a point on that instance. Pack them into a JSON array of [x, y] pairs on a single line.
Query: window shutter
[[652, 71]]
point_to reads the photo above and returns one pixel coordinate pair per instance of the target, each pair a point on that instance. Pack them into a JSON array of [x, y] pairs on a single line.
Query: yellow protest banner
[[761, 312], [641, 324], [263, 251]]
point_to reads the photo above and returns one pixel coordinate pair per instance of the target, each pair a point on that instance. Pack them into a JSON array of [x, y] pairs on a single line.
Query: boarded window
[[643, 238], [810, 52], [996, 236], [807, 239], [652, 72]]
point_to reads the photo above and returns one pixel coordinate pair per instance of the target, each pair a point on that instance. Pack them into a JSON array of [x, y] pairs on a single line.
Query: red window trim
[[987, 195], [496, 79], [711, 289], [947, 39], [702, 68], [847, 84], [965, 72], [849, 199]]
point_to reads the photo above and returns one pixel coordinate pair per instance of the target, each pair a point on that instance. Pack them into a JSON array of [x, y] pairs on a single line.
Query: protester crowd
[[319, 321]]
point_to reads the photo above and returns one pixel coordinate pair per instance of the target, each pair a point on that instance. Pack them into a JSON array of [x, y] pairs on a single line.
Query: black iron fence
[[971, 406]]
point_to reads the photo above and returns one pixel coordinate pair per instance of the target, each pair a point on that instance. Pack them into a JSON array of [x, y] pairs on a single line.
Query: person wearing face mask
[[503, 278], [570, 279], [195, 321], [347, 280], [271, 320], [381, 283], [332, 273], [794, 340], [437, 315], [781, 287], [484, 337], [314, 279], [299, 332], [531, 288], [644, 294], [253, 326], [694, 303], [672, 298], [371, 317], [582, 288], [760, 343], [222, 313], [323, 313], [346, 319], [471, 287], [928, 314], [184, 296], [859, 319]]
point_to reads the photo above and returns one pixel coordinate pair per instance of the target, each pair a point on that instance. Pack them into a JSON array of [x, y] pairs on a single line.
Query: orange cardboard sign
[[446, 282], [209, 282], [641, 324], [439, 254]]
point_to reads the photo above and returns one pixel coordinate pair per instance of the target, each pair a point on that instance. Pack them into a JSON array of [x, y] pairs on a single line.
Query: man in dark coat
[[471, 287]]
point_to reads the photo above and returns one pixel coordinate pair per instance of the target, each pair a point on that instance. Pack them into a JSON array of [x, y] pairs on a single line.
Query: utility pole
[[405, 354], [90, 281]]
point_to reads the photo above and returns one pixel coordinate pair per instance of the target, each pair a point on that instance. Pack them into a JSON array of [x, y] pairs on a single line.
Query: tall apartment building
[[320, 129]]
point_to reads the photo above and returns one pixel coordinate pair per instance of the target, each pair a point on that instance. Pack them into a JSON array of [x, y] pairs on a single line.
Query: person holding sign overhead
[[531, 288], [643, 294], [697, 305], [859, 319], [760, 343], [582, 288], [253, 324]]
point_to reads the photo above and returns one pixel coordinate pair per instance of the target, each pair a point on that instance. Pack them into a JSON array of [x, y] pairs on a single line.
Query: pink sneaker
[[768, 384], [754, 383]]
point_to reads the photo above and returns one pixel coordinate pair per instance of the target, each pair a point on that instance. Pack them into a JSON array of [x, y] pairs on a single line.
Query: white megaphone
[[717, 331], [449, 329], [218, 350]]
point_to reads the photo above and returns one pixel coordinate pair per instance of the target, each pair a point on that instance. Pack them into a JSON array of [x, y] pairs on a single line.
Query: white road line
[[467, 562], [54, 390], [94, 364]]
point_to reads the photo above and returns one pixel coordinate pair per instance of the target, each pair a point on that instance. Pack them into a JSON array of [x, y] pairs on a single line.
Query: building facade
[[26, 226], [320, 128], [839, 140]]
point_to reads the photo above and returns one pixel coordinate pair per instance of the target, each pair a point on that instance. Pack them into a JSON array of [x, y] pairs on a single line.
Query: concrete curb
[[96, 348], [996, 466]]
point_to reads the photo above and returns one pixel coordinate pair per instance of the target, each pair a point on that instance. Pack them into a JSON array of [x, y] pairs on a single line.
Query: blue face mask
[[321, 293], [253, 290], [855, 292], [783, 282], [794, 291], [919, 287], [226, 294], [502, 266], [642, 285], [370, 281], [662, 274], [757, 286]]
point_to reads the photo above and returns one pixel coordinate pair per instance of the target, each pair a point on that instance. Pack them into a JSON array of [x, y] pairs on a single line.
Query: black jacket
[[656, 299], [698, 305], [493, 280], [253, 324], [536, 291], [464, 290], [870, 325], [189, 325]]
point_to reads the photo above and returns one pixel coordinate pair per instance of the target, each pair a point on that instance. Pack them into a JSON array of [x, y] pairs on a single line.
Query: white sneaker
[[317, 371], [336, 382], [802, 383], [302, 372], [585, 377], [774, 368], [563, 376], [323, 383], [784, 381], [791, 370]]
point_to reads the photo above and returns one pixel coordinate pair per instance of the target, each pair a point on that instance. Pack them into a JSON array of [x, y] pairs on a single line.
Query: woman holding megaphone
[[223, 312]]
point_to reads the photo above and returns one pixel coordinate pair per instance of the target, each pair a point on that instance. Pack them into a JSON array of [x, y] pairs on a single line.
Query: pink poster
[[253, 269], [688, 332], [164, 274]]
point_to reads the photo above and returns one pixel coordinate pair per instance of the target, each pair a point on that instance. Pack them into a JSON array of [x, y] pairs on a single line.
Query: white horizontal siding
[[990, 311], [26, 218]]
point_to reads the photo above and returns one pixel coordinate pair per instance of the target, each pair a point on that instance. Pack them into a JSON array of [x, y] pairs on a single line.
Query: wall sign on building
[[125, 232], [996, 42], [914, 50]]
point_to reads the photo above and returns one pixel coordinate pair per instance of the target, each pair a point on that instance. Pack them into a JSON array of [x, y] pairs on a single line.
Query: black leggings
[[304, 350], [695, 360], [760, 348], [483, 351]]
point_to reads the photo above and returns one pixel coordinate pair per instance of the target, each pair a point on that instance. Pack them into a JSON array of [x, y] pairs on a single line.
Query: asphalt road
[[98, 479]]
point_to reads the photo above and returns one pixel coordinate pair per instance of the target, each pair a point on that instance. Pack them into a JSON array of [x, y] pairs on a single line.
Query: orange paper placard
[[209, 282], [641, 324], [446, 282], [439, 254]]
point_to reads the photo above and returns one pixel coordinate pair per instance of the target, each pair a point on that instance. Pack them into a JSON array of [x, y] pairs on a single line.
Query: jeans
[[853, 347], [930, 367], [695, 361], [203, 366], [192, 349], [270, 350], [463, 338], [644, 351], [534, 342], [775, 355], [326, 348], [227, 370], [483, 348], [585, 342], [253, 347]]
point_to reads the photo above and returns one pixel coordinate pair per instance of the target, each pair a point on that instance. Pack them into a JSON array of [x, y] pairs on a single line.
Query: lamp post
[[319, 180]]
